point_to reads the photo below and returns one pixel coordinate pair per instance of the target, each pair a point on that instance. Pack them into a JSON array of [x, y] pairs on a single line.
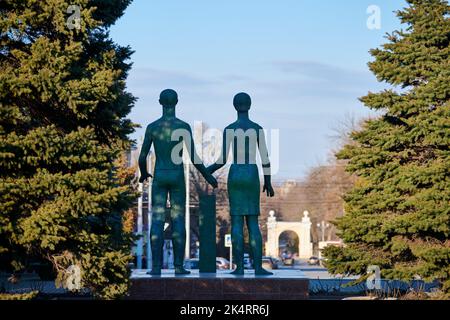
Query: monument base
[[283, 285]]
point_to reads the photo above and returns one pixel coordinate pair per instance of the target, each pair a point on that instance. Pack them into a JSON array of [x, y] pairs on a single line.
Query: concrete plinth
[[283, 285]]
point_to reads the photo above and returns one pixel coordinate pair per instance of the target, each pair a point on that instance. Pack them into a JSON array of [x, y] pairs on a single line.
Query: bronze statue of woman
[[245, 136]]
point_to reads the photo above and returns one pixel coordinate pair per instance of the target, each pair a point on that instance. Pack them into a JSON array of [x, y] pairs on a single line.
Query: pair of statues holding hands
[[244, 138]]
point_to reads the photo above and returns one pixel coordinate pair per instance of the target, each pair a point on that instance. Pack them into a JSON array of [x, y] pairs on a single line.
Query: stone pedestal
[[283, 285]]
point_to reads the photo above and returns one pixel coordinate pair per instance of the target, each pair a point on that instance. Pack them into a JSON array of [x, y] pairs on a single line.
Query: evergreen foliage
[[63, 128], [398, 214]]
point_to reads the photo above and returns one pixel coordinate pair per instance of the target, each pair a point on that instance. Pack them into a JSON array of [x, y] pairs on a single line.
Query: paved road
[[314, 272]]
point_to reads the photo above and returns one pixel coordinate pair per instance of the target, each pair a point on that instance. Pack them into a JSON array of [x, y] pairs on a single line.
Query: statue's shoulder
[[181, 124], [232, 126], [256, 126], [151, 126]]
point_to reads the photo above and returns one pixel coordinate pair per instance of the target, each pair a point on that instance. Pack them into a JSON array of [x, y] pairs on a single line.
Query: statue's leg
[[237, 240], [159, 201], [256, 245], [177, 212]]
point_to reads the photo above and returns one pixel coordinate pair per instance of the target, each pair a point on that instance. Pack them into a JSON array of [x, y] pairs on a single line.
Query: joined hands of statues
[[143, 178], [212, 181], [210, 170]]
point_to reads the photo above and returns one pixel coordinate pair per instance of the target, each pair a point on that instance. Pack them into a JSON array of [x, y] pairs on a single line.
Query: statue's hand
[[268, 190], [212, 181], [145, 177]]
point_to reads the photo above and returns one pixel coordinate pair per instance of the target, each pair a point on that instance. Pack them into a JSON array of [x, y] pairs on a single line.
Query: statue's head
[[168, 98], [242, 102]]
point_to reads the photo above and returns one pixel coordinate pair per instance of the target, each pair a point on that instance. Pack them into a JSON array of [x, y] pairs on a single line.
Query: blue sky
[[304, 63]]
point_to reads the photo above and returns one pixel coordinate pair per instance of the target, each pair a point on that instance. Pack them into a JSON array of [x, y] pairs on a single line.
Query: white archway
[[302, 229], [291, 241]]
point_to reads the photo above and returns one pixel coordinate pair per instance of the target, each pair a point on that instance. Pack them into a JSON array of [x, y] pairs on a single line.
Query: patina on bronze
[[169, 179], [245, 137]]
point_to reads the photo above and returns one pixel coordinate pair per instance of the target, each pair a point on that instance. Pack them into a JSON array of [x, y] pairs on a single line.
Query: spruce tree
[[63, 127], [398, 214]]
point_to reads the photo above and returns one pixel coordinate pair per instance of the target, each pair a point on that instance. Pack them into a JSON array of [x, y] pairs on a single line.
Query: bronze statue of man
[[166, 134], [245, 136]]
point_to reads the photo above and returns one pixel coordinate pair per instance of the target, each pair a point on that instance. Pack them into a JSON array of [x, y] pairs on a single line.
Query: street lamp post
[[323, 226], [139, 224], [187, 209]]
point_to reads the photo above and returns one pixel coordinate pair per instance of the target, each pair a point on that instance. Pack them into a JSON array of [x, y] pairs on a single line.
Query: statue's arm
[[146, 145], [196, 161], [265, 161], [226, 144]]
